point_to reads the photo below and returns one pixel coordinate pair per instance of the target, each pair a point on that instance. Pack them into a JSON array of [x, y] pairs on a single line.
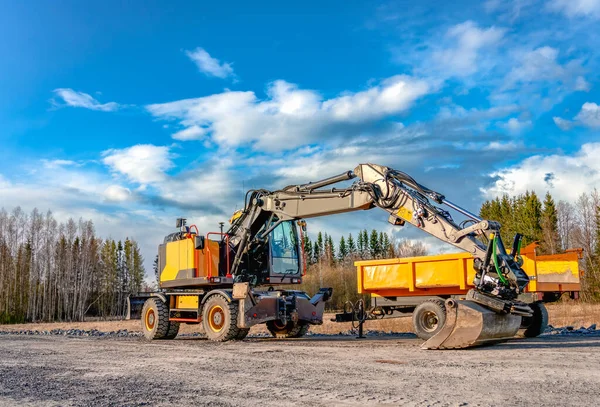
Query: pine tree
[[530, 218], [365, 251], [318, 247], [550, 238], [360, 244], [374, 247], [508, 208], [155, 268], [329, 250], [386, 246], [351, 246], [342, 249], [308, 254]]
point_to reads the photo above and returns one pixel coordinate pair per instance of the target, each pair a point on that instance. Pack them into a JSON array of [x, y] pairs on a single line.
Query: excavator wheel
[[429, 318], [155, 320], [535, 325], [219, 319], [289, 330], [173, 330], [243, 332]]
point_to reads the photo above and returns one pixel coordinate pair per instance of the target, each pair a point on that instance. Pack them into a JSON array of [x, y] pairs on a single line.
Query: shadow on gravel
[[551, 342]]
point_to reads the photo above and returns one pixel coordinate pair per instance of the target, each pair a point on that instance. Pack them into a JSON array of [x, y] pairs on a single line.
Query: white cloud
[[509, 10], [190, 133], [79, 99], [468, 42], [566, 176], [539, 79], [290, 116], [563, 124], [538, 65], [51, 164], [142, 163], [575, 8], [516, 126], [581, 84], [589, 115], [4, 183], [209, 65], [117, 193]]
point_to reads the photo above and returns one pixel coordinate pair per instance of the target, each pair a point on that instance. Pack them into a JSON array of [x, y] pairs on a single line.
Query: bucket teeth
[[469, 324]]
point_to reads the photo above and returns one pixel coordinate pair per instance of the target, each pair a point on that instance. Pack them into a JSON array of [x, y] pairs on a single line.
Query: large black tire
[[429, 318], [242, 334], [173, 330], [289, 330], [535, 325], [219, 319], [155, 320]]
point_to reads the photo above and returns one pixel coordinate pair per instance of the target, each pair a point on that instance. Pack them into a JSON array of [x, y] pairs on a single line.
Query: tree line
[[556, 226], [53, 271]]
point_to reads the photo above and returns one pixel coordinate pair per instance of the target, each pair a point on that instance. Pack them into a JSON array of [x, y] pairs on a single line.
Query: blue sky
[[133, 115]]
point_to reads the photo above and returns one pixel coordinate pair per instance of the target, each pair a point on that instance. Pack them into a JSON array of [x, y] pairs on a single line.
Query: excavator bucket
[[469, 324]]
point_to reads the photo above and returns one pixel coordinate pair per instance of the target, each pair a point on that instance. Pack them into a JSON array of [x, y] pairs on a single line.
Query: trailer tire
[[289, 330], [155, 319], [219, 319], [429, 318], [535, 325]]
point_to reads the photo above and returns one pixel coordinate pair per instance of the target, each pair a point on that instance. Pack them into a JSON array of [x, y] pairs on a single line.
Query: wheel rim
[[150, 319], [216, 318], [277, 325], [429, 321]]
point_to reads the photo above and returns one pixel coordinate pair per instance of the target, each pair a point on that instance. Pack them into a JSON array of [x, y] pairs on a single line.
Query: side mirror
[[199, 242]]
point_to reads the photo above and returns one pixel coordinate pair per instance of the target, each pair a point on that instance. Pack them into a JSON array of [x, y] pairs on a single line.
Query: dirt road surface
[[551, 370]]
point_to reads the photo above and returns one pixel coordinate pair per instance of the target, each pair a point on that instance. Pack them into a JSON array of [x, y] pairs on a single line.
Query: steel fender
[[135, 303], [265, 310], [225, 293], [308, 312]]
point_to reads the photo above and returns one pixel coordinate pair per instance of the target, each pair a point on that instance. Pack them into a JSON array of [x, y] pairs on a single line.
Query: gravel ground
[[121, 369]]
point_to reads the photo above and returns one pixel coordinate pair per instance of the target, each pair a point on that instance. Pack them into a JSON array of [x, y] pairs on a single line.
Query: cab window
[[284, 249]]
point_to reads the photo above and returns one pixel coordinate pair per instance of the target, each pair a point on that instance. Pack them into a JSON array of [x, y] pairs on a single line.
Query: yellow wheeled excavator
[[225, 280]]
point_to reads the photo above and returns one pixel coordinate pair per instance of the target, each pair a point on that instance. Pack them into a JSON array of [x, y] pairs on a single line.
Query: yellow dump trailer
[[420, 285]]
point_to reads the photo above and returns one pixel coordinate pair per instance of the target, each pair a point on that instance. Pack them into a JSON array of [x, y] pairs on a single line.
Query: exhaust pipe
[[469, 324]]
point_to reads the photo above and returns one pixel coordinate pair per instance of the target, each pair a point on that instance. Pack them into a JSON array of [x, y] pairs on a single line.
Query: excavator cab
[[284, 258]]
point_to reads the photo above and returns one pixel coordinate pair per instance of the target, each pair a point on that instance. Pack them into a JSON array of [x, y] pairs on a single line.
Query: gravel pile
[[570, 330], [122, 333]]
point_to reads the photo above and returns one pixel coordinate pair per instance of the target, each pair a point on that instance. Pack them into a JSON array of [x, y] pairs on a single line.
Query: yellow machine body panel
[[179, 259], [453, 274], [183, 262], [186, 302]]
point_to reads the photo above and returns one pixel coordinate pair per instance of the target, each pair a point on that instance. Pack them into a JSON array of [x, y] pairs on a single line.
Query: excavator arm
[[499, 277], [490, 312]]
